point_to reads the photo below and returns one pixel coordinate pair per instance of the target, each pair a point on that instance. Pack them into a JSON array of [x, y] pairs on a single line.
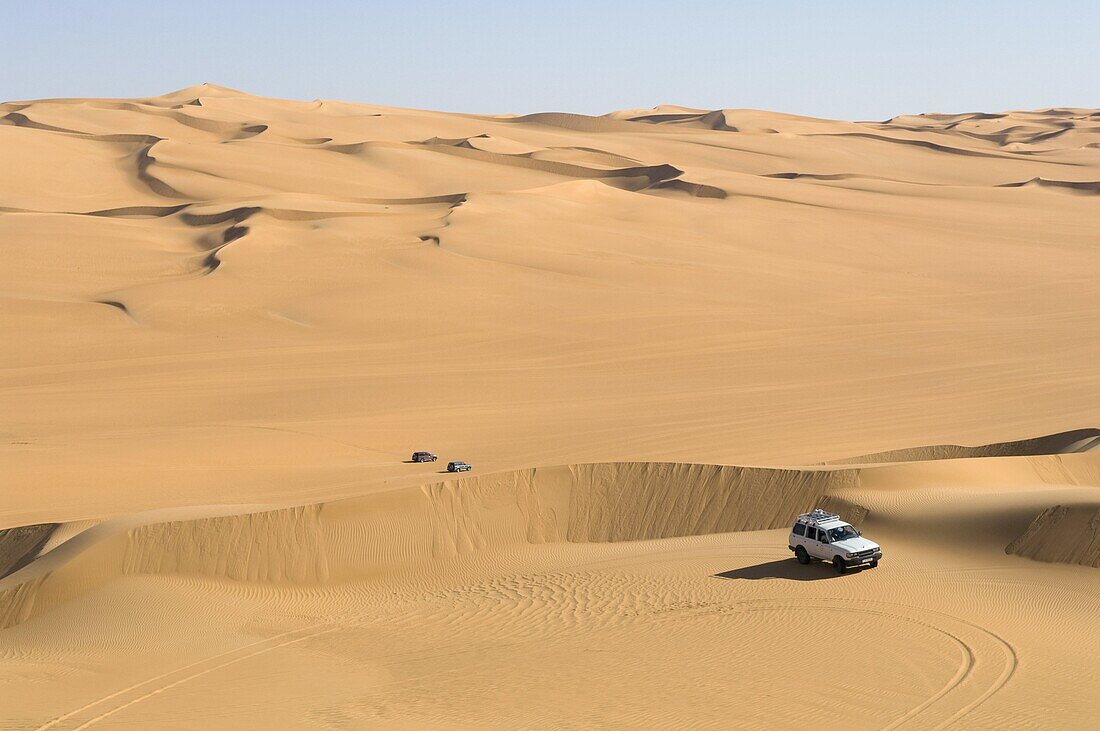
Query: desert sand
[[658, 335]]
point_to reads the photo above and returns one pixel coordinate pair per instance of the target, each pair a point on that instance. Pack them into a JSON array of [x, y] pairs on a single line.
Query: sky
[[846, 59]]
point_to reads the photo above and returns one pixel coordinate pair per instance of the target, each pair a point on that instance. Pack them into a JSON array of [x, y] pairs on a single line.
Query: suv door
[[813, 544], [821, 546], [798, 535]]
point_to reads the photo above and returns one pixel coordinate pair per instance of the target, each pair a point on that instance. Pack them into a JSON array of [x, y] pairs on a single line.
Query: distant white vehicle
[[824, 536]]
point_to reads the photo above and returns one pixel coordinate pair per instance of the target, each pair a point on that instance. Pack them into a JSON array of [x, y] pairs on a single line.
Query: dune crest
[[1077, 440], [583, 503]]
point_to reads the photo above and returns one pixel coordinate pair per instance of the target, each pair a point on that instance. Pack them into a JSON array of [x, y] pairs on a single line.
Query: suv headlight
[[849, 555]]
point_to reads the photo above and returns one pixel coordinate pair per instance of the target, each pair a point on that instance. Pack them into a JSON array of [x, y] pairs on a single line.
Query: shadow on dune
[[20, 545], [786, 569]]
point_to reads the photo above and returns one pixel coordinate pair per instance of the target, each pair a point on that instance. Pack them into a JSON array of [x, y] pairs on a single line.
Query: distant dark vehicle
[[458, 467], [424, 457]]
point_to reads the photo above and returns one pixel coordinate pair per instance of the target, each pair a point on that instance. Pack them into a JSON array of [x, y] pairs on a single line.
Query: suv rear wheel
[[838, 564], [801, 555]]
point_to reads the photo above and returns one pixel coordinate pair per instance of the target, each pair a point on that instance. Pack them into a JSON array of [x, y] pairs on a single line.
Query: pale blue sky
[[834, 58]]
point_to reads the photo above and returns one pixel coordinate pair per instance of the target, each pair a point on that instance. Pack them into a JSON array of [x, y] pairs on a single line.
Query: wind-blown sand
[[658, 335]]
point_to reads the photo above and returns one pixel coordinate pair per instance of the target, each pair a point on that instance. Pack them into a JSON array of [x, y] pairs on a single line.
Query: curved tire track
[[987, 660], [180, 675], [978, 678]]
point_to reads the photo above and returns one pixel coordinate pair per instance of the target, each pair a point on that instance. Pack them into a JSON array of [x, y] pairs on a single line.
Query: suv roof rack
[[817, 515]]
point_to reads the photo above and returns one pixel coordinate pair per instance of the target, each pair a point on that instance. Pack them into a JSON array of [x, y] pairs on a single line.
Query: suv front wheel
[[839, 565], [801, 555]]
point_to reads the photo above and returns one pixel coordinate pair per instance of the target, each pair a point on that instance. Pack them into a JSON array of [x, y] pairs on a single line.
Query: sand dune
[[657, 334], [608, 545]]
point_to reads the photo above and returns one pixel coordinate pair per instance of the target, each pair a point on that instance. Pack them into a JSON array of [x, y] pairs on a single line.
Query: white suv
[[825, 536]]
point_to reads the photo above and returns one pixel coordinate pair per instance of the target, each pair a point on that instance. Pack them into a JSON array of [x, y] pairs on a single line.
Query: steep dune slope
[[1068, 534], [311, 544], [391, 532]]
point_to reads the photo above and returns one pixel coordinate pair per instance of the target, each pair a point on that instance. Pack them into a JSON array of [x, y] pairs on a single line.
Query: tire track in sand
[[987, 660], [177, 677], [974, 669], [979, 676]]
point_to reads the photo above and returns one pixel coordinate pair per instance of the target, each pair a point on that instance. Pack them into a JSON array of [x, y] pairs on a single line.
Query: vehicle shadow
[[786, 569]]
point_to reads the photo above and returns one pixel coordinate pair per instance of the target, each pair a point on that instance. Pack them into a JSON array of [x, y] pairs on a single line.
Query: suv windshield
[[842, 533]]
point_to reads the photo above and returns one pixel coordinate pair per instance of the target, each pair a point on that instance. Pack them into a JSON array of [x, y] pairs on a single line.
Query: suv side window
[[800, 529], [811, 533]]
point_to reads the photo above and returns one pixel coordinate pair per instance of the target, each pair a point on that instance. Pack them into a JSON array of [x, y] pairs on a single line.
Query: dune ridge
[[303, 545], [583, 503], [1087, 186], [1077, 440]]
